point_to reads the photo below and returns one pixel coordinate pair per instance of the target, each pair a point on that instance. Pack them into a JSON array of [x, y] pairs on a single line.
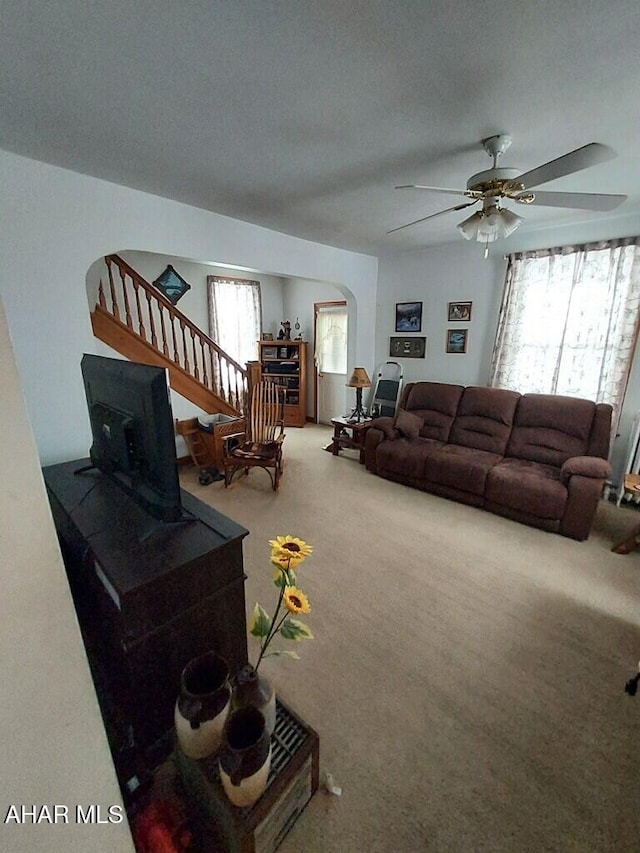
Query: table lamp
[[359, 380]]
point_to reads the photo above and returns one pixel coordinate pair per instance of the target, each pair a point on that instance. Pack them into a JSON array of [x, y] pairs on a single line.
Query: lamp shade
[[489, 224], [359, 378]]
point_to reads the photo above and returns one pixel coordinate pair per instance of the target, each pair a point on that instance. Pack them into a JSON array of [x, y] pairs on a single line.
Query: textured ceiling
[[303, 115]]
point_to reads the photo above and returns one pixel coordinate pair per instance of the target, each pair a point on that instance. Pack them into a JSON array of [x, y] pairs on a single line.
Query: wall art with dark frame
[[459, 312], [408, 317], [408, 347], [457, 340], [171, 284]]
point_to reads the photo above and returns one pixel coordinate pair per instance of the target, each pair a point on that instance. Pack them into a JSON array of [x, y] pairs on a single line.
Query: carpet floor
[[467, 673]]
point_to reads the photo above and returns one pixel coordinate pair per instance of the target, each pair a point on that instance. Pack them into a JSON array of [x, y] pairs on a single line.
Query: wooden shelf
[[285, 362]]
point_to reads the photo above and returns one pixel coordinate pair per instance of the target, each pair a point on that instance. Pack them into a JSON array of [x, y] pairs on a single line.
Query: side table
[[632, 541], [346, 434]]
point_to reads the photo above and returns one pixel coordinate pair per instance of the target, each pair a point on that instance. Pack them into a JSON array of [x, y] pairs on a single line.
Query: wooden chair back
[[266, 413]]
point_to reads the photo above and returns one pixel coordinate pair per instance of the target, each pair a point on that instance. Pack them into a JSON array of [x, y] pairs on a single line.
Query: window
[[569, 321], [331, 339], [235, 316]]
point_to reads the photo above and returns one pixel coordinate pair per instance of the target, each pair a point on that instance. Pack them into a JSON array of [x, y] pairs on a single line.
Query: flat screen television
[[133, 438]]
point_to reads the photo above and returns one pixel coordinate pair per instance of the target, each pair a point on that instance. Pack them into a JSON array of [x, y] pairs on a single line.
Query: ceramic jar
[[203, 705], [245, 756], [253, 688]]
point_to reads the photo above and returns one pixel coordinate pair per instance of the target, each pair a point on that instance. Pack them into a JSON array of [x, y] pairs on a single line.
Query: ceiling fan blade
[[432, 189], [574, 161], [433, 215], [582, 201]]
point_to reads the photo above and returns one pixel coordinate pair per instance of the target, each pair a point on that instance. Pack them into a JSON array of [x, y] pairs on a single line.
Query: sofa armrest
[[373, 437], [386, 425], [585, 466]]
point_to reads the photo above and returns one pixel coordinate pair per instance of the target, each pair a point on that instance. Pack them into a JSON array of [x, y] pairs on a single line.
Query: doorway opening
[[330, 359]]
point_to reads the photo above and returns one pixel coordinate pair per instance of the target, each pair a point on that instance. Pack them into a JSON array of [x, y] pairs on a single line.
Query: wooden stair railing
[[142, 323]]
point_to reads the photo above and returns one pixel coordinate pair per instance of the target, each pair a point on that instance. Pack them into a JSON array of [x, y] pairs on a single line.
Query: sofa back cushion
[[436, 403], [551, 428], [484, 419], [600, 438]]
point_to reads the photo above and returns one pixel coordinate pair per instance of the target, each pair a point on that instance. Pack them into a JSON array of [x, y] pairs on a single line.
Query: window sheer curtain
[[569, 321], [235, 316]]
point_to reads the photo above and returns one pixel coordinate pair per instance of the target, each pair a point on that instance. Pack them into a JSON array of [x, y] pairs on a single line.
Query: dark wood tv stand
[[150, 597]]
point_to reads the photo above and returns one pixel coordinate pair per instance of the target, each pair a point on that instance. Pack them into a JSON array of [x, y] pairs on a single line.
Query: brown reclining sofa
[[537, 458]]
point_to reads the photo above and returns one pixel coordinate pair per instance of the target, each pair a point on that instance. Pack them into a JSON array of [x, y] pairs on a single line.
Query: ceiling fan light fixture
[[493, 185], [490, 224]]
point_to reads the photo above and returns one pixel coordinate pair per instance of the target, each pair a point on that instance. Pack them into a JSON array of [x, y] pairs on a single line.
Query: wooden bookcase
[[285, 362]]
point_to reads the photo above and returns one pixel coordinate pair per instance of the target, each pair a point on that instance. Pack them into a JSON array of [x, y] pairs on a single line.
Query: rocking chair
[[261, 445]]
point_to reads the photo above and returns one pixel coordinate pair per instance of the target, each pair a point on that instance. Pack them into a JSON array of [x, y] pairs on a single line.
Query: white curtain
[[331, 340], [235, 316], [569, 321]]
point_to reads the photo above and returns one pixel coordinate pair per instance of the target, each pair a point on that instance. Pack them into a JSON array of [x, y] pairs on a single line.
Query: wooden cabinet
[[149, 598], [285, 362]]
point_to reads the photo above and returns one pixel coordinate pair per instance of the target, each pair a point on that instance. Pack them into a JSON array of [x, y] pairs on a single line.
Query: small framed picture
[[267, 336], [171, 284], [459, 311], [457, 340], [408, 316], [408, 347]]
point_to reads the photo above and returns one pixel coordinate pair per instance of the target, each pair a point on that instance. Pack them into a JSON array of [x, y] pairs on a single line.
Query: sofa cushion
[[551, 428], [600, 438], [529, 487], [404, 457], [408, 424], [459, 467], [484, 419], [436, 403]]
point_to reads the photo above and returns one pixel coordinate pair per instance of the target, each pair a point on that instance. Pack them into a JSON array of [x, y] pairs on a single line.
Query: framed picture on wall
[[408, 347], [459, 311], [171, 284], [408, 316], [457, 340]]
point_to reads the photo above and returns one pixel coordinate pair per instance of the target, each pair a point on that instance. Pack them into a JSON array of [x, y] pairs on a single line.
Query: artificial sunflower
[[284, 562], [292, 546], [287, 552], [295, 600]]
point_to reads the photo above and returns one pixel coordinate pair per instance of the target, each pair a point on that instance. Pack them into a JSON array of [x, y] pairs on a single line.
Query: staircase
[[139, 322]]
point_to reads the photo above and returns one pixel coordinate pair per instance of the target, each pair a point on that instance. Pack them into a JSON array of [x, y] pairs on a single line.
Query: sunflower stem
[[271, 634]]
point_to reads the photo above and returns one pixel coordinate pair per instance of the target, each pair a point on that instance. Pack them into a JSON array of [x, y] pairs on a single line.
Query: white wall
[[56, 223], [452, 273], [53, 748], [457, 271]]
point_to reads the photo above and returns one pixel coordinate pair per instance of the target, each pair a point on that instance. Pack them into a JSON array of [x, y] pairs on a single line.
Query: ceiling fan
[[490, 187]]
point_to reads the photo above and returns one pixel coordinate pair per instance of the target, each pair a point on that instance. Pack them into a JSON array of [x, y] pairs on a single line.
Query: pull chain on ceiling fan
[[494, 222]]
